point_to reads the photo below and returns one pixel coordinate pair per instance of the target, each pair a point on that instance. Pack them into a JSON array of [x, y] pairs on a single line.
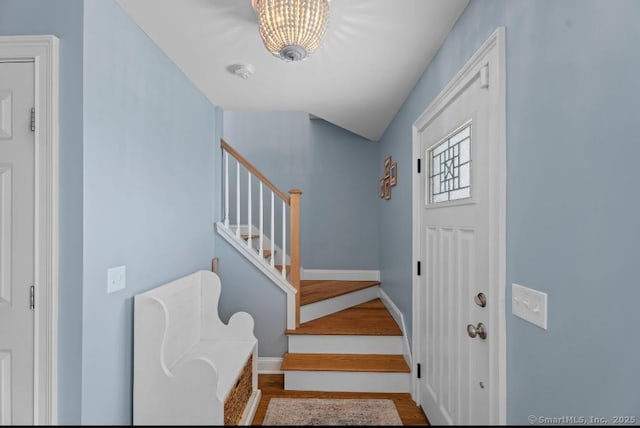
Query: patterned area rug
[[319, 411]]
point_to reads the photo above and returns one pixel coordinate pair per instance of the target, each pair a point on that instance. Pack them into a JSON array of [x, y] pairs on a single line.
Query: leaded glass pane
[[450, 168]]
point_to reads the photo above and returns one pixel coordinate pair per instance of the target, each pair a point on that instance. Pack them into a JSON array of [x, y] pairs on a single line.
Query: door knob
[[479, 331]]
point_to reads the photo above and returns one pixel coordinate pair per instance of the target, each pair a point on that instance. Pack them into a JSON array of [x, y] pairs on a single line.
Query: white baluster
[[284, 240], [237, 199], [250, 221], [261, 251], [226, 189], [272, 235]]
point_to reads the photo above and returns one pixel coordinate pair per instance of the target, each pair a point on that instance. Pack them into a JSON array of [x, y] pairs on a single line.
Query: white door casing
[[17, 159], [461, 247], [42, 53]]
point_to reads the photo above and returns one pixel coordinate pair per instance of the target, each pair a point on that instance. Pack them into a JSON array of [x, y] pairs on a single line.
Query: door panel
[[454, 244], [5, 388], [450, 263], [6, 111], [5, 233], [17, 243]]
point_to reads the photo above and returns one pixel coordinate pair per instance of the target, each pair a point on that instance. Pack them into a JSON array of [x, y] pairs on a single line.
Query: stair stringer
[[399, 318], [264, 266]]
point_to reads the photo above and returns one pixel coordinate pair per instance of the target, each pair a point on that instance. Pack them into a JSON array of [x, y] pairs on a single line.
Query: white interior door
[[17, 187], [460, 247]]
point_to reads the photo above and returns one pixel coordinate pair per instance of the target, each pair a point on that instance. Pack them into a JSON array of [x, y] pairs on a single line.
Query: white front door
[[17, 187], [458, 289]]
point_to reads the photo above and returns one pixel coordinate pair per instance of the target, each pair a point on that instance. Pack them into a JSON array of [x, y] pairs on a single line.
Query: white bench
[[189, 367]]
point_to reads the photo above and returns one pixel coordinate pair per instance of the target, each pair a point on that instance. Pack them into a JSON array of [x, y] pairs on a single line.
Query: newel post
[[295, 246]]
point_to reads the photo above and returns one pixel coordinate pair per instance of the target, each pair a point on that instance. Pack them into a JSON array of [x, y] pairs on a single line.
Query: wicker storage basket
[[239, 395]]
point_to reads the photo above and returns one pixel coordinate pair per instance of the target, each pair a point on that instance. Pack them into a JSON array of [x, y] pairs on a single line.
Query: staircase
[[341, 334], [357, 347]]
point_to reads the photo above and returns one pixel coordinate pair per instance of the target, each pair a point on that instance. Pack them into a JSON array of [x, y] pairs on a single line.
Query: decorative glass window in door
[[449, 177]]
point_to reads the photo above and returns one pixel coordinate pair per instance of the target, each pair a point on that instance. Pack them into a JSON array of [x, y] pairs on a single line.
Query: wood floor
[[370, 319], [273, 386]]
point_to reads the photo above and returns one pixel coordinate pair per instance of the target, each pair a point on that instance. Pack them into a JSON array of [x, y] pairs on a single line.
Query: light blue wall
[[337, 172], [63, 18], [245, 288], [572, 202], [148, 188]]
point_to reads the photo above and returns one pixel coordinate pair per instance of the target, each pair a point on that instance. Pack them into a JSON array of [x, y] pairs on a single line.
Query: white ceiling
[[373, 53]]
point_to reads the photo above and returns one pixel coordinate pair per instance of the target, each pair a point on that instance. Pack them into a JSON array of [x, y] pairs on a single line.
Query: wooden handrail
[[255, 171]]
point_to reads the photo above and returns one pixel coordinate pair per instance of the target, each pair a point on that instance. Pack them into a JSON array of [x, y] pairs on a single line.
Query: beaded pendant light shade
[[292, 29]]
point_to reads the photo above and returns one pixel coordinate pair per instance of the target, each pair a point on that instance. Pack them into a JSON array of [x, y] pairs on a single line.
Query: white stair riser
[[329, 306], [346, 381], [340, 344]]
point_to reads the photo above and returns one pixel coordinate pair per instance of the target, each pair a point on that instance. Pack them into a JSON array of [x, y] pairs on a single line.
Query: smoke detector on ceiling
[[244, 71]]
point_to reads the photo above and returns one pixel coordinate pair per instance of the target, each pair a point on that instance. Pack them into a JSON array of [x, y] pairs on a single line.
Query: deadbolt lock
[[481, 300]]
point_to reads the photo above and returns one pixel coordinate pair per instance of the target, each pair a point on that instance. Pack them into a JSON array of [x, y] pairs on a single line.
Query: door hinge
[[33, 119], [418, 166], [32, 297], [418, 374], [419, 268]]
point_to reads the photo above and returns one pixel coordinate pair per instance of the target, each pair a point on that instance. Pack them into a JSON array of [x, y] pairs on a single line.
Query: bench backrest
[[182, 309]]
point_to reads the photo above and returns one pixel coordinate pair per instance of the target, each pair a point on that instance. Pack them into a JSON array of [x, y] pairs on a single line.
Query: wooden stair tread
[[312, 291], [266, 253], [279, 267], [366, 319], [345, 363]]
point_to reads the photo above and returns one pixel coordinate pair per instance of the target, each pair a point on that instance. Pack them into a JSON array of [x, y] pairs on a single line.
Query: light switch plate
[[529, 304], [116, 279]]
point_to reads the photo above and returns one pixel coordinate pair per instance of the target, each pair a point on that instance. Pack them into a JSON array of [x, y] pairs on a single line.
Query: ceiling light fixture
[[292, 29]]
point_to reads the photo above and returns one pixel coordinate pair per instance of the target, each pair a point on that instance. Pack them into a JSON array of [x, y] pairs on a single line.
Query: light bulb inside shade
[[292, 29]]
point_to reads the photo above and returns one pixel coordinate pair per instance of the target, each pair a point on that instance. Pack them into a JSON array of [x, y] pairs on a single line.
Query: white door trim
[[498, 130], [43, 52]]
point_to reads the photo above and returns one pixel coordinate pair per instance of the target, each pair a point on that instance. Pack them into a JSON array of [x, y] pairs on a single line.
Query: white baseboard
[[269, 365], [340, 275], [399, 318]]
